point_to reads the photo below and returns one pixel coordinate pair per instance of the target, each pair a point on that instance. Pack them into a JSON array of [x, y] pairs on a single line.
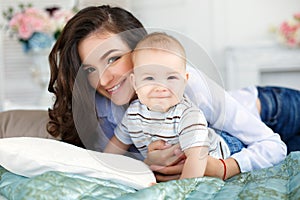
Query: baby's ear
[[132, 80], [187, 76]]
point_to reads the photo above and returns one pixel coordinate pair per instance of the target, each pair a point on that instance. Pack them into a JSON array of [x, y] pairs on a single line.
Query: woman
[[82, 55]]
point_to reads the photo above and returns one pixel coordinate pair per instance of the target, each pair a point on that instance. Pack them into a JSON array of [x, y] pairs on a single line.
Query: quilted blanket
[[279, 182]]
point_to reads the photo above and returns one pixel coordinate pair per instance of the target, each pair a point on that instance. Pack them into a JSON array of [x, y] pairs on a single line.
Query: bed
[[25, 174], [20, 179]]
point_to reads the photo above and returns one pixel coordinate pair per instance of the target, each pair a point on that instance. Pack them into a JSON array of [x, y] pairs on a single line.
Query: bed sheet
[[279, 182]]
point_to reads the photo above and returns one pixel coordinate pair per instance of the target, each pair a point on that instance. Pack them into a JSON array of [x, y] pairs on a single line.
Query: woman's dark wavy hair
[[65, 63]]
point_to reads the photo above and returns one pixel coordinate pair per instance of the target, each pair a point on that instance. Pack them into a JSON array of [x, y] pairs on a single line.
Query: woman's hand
[[165, 160], [168, 173], [163, 154]]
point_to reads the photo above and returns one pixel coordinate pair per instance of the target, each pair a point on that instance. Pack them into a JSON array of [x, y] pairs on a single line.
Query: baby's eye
[[149, 78], [89, 70], [113, 59], [172, 77]]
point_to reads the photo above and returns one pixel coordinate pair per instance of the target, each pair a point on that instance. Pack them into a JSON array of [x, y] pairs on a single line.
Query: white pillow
[[28, 156]]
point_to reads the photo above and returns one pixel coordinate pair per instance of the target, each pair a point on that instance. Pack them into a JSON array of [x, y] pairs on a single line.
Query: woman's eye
[[172, 77], [113, 59], [89, 70]]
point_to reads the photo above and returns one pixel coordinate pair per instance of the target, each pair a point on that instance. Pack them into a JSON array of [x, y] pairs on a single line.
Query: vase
[[38, 42], [40, 72]]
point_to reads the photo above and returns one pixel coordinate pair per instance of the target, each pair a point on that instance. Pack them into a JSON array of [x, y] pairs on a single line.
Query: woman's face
[[106, 61]]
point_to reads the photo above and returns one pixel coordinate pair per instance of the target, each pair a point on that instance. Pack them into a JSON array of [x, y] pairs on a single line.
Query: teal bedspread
[[279, 182]]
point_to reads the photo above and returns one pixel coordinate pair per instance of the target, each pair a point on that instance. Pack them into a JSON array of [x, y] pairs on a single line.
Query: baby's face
[[159, 79]]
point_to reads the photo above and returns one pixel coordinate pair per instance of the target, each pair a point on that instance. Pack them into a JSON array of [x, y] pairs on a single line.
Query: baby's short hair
[[161, 41]]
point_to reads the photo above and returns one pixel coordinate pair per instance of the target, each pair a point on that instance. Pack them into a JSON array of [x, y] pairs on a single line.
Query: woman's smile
[[115, 88]]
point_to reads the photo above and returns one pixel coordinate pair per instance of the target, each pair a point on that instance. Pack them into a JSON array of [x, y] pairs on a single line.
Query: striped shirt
[[183, 123]]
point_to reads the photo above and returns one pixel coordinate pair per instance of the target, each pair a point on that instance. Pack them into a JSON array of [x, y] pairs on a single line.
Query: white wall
[[213, 24], [248, 20], [218, 24], [247, 25]]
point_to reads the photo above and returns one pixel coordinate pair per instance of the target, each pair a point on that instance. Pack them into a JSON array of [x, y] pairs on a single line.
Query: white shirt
[[247, 97], [223, 112]]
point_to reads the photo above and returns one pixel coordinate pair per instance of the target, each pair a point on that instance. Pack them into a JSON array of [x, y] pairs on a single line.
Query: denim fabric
[[234, 144], [280, 110]]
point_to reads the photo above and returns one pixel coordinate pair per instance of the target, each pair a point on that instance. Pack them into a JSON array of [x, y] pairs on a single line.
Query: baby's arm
[[116, 146], [195, 163]]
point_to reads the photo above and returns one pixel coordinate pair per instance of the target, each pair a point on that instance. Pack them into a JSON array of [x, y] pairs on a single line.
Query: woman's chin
[[121, 99], [119, 102]]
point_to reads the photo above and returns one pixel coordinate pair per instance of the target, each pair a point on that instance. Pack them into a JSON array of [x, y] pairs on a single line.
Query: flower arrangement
[[289, 31], [36, 28]]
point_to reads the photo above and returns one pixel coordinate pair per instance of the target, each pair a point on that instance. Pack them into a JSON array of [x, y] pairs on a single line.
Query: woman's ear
[[132, 80]]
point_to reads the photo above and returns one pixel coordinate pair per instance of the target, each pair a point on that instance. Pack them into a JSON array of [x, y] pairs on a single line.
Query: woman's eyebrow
[[107, 53], [85, 65]]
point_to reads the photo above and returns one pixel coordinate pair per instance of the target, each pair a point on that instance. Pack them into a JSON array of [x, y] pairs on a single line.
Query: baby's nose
[[160, 89]]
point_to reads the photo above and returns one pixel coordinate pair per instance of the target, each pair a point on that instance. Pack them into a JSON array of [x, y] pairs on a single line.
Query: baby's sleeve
[[121, 131], [193, 129]]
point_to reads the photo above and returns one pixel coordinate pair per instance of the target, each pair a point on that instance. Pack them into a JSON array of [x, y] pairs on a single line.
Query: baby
[[162, 112]]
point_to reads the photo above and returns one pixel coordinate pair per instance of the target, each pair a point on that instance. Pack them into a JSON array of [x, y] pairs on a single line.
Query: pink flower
[[289, 31], [30, 21], [17, 24], [36, 28], [297, 16], [287, 28]]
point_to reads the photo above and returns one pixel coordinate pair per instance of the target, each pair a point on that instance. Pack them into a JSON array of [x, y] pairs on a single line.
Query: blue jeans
[[234, 144], [280, 110]]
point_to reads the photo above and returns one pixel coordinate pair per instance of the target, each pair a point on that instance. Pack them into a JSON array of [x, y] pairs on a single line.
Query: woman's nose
[[106, 77]]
